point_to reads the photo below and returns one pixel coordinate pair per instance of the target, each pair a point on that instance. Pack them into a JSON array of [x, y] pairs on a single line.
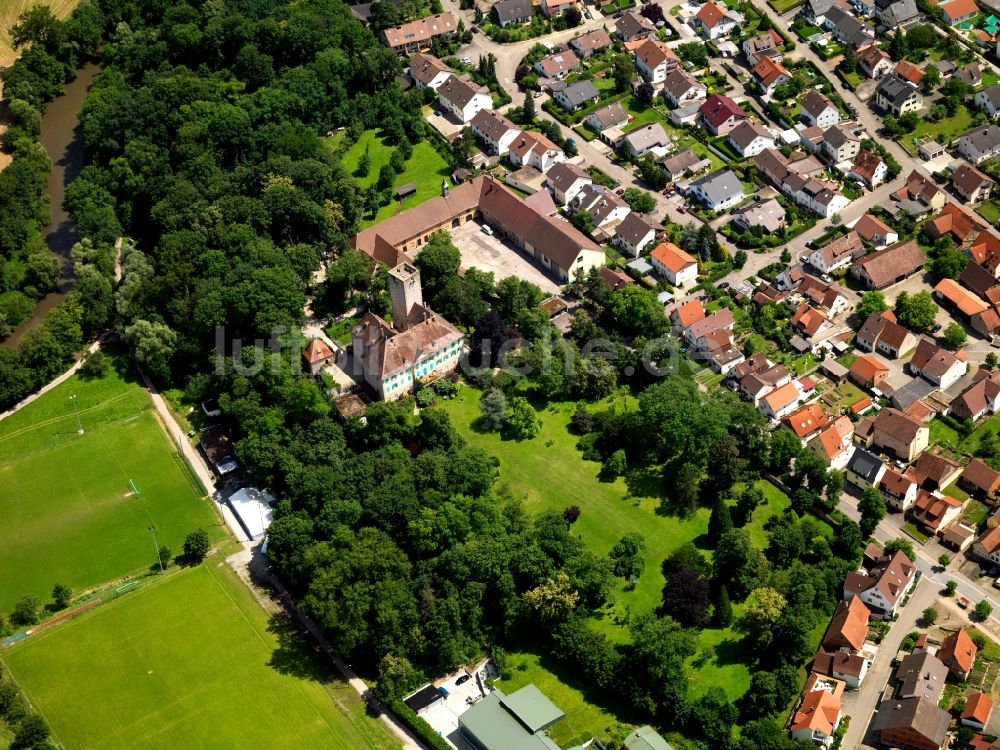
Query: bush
[[95, 365], [196, 545], [26, 611], [416, 724], [929, 616], [426, 397]]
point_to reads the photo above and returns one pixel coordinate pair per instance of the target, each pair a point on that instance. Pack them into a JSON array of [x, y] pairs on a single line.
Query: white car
[[467, 61], [487, 229]]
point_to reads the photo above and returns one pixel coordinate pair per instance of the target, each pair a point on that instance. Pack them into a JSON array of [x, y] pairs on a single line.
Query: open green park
[[188, 660], [425, 169], [67, 513], [609, 510]]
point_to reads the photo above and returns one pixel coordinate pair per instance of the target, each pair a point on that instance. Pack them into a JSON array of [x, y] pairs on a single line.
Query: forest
[[205, 146]]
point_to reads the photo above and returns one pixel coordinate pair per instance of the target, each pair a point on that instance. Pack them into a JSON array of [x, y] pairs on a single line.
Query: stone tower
[[406, 294]]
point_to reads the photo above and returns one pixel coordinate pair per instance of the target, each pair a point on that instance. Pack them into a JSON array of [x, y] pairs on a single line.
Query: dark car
[[724, 285], [463, 679]]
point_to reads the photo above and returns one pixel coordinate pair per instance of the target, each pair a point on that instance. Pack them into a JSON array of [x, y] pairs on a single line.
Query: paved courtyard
[[489, 253]]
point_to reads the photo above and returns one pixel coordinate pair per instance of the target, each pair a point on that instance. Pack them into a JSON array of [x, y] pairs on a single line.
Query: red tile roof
[[718, 108], [958, 652], [978, 707]]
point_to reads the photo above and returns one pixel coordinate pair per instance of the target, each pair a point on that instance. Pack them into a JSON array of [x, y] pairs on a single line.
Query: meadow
[[67, 514], [10, 10], [188, 660]]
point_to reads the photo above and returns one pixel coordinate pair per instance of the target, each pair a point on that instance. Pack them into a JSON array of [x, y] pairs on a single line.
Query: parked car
[[681, 210], [620, 191], [487, 229], [463, 679], [724, 285]]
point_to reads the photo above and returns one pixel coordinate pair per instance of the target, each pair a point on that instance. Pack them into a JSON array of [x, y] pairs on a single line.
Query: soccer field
[[66, 512], [187, 661]]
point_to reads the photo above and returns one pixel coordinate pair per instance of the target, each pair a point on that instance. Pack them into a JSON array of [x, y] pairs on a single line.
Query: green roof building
[[646, 738], [511, 722]]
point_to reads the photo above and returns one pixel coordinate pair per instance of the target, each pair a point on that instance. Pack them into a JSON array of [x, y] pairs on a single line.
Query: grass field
[[425, 169], [66, 515], [189, 660], [943, 131], [10, 10]]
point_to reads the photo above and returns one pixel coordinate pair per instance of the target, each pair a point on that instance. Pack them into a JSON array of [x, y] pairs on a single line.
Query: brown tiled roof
[[968, 179], [980, 282], [980, 475], [868, 369], [615, 278], [425, 68], [815, 103], [930, 508], [493, 124], [420, 30], [560, 62], [885, 265], [594, 40], [395, 352], [973, 400], [849, 244], [990, 541], [848, 627], [767, 71], [808, 320], [956, 221], [865, 164], [930, 358], [895, 483], [896, 424], [930, 467], [316, 351], [838, 662], [868, 227], [978, 707], [890, 575], [958, 650]]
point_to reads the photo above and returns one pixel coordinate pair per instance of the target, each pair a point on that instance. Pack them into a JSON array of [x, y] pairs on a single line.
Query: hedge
[[416, 724]]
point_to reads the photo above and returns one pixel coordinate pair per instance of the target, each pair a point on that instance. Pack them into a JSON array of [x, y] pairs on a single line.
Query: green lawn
[[783, 6], [943, 434], [66, 515], [340, 331], [989, 79], [425, 169], [189, 660], [943, 131], [989, 210], [913, 531], [584, 719]]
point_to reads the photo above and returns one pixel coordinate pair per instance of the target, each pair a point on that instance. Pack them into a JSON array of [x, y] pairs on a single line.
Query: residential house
[[868, 372], [900, 434], [869, 168], [912, 724], [980, 398], [899, 491], [418, 35], [847, 29], [935, 512], [839, 144], [463, 99], [815, 11], [921, 674], [816, 110], [909, 72], [781, 401], [426, 71], [645, 138], [819, 197], [987, 546], [614, 278], [988, 100], [954, 297], [933, 472], [790, 278], [768, 44], [680, 88], [558, 64], [980, 479], [769, 75], [685, 314], [958, 653], [512, 12], [564, 181], [937, 365], [635, 234], [594, 41], [837, 253], [317, 355], [686, 115], [921, 188], [979, 280], [811, 324], [883, 586], [535, 150], [749, 138], [897, 13], [633, 26], [978, 707], [961, 224], [980, 144], [673, 264], [955, 12], [555, 8], [557, 247], [717, 191], [418, 345], [887, 266], [881, 333], [806, 422], [971, 185], [898, 96], [864, 469], [654, 60], [714, 20], [818, 714], [577, 95], [682, 163], [829, 298], [874, 62], [494, 131], [763, 212], [971, 74], [834, 444], [606, 209], [872, 229], [611, 115], [720, 114]]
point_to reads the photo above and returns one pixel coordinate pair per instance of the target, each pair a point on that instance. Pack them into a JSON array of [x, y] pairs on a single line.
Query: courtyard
[[490, 253]]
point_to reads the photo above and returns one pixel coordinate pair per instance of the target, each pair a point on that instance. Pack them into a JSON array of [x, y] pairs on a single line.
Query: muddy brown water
[[61, 139]]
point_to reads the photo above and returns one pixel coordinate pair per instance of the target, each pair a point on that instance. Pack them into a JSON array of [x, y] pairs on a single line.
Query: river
[[61, 139]]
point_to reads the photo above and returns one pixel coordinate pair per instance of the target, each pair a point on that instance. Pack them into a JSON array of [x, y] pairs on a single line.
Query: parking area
[[462, 690], [489, 253]]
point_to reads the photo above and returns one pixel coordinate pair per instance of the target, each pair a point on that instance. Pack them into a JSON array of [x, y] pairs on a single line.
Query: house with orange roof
[[848, 629], [957, 11], [770, 74], [987, 546], [934, 511], [714, 20], [806, 422], [317, 355], [781, 401], [685, 314], [956, 222], [810, 322], [909, 72], [834, 443], [868, 371], [673, 264], [899, 490], [870, 168], [958, 653], [818, 714], [978, 707]]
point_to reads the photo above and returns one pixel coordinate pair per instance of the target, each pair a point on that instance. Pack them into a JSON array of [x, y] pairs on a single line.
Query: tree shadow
[[732, 651], [646, 481], [294, 655]]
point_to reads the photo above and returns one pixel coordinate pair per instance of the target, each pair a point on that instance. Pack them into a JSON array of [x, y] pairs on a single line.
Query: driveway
[[491, 254]]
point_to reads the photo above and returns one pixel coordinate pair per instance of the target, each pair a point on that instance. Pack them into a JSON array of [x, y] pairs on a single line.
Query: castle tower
[[405, 293]]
